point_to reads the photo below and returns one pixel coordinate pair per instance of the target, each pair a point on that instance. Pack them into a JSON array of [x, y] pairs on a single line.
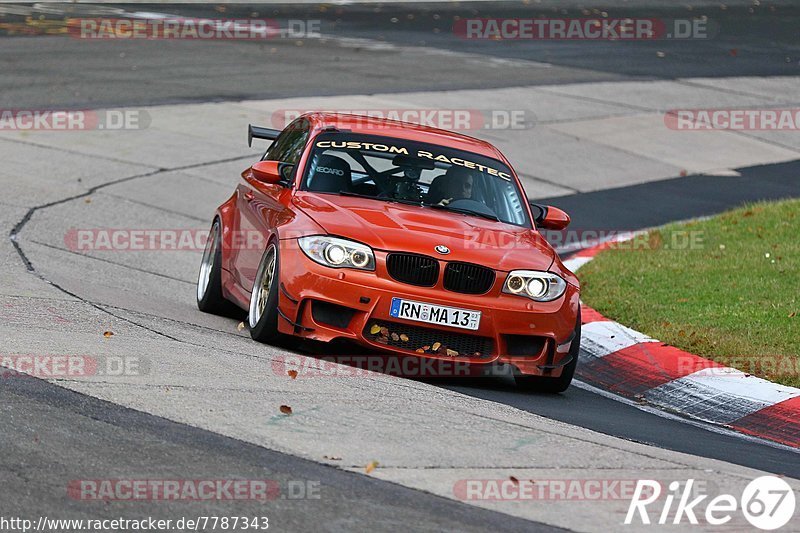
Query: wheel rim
[[262, 286], [207, 264]]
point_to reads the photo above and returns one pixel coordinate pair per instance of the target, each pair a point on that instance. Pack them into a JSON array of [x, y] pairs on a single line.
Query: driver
[[455, 184]]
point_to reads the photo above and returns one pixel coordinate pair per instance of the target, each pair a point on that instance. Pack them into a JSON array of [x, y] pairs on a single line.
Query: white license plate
[[435, 314]]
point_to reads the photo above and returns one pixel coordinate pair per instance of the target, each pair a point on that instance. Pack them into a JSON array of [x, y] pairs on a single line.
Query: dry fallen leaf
[[292, 374], [332, 457], [108, 334], [384, 332], [404, 337], [375, 329], [514, 480], [285, 409], [451, 353], [436, 346], [792, 314], [240, 327], [395, 337], [420, 350], [371, 466]]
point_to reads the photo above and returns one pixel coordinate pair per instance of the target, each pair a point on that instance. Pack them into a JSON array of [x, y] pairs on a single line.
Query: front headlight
[[337, 253], [534, 284]]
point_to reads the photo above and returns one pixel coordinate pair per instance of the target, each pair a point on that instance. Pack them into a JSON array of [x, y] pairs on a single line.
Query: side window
[[288, 147]]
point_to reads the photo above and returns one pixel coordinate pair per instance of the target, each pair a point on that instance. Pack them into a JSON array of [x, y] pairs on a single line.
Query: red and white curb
[[631, 364]]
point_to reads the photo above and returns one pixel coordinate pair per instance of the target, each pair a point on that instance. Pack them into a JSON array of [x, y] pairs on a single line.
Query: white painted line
[[574, 263], [599, 339], [719, 395], [731, 381]]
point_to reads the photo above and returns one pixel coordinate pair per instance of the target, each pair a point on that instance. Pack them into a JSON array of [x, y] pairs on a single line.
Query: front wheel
[[562, 382], [262, 315]]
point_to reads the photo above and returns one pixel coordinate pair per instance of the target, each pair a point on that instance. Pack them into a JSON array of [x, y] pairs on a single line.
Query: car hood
[[399, 227]]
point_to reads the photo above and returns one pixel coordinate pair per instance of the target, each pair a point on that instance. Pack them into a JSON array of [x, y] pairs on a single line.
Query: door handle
[[248, 195]]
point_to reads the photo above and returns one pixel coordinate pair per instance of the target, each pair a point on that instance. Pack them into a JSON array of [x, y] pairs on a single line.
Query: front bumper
[[533, 337]]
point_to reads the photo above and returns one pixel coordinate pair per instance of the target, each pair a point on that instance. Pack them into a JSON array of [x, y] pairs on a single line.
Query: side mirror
[[549, 217], [265, 171]]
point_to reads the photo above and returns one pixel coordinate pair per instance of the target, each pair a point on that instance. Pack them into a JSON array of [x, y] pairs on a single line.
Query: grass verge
[[725, 288]]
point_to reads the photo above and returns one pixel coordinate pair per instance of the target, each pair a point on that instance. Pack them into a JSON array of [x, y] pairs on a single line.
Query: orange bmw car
[[405, 239]]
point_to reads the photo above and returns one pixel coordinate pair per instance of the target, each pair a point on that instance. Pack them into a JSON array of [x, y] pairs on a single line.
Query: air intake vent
[[413, 269], [468, 278]]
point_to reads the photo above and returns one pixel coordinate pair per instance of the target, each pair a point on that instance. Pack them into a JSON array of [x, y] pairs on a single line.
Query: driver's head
[[412, 173], [458, 183]]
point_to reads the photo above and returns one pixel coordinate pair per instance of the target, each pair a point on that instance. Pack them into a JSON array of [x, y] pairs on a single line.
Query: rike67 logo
[[767, 503]]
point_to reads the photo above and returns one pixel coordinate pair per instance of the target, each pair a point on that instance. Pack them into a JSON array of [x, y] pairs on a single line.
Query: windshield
[[396, 170]]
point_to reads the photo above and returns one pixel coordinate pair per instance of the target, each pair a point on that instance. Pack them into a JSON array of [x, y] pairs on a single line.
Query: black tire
[[562, 382], [209, 280], [264, 323]]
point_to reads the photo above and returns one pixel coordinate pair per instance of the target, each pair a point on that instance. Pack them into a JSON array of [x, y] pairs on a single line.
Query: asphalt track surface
[[105, 74], [751, 41], [47, 430]]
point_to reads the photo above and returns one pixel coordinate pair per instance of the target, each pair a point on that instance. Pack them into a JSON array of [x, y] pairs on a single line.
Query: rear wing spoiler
[[260, 133]]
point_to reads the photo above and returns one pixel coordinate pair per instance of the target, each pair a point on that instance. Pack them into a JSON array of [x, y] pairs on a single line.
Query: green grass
[[725, 288]]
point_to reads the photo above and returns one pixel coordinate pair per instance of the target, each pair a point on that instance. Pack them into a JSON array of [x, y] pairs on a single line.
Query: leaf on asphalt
[[285, 409], [514, 480], [371, 466], [332, 457], [240, 327], [108, 334], [88, 200], [292, 374]]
